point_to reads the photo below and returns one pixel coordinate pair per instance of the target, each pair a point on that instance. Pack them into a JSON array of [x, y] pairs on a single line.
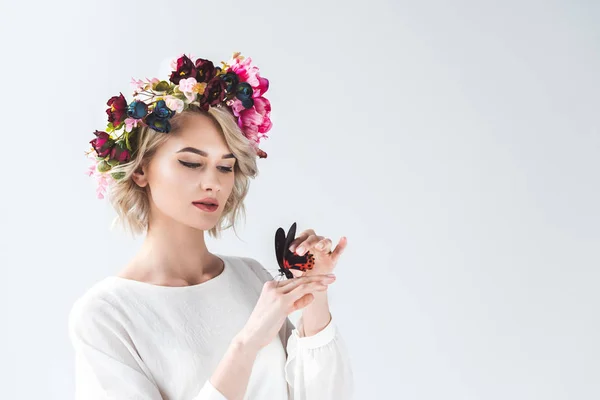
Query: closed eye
[[197, 165]]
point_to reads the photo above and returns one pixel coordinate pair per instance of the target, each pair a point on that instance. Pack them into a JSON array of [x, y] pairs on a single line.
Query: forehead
[[201, 132]]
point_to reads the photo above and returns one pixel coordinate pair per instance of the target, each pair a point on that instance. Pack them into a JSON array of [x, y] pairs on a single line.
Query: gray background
[[455, 143]]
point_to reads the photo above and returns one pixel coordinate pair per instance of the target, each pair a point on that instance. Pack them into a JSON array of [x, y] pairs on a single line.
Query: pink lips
[[206, 207], [208, 204], [208, 200]]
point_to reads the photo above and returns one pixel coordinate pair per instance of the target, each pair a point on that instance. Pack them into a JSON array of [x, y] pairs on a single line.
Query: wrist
[[244, 346], [320, 301]]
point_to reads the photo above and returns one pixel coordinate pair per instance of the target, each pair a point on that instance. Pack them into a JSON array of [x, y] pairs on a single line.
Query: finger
[[339, 249], [308, 244], [291, 284], [301, 290], [302, 302], [324, 245], [301, 238]]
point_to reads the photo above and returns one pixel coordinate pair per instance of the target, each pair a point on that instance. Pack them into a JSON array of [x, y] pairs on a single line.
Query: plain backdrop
[[455, 143]]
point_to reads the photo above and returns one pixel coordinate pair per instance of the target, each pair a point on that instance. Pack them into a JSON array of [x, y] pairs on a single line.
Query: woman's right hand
[[277, 300]]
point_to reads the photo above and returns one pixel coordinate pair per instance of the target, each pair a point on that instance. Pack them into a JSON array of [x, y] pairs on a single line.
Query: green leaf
[[180, 96], [103, 166], [118, 175], [162, 86], [127, 141]]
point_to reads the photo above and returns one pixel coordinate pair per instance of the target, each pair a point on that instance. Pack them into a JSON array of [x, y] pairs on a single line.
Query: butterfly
[[287, 259]]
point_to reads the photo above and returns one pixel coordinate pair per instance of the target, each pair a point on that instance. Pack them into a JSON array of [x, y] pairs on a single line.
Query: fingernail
[[331, 275], [300, 250], [319, 246]]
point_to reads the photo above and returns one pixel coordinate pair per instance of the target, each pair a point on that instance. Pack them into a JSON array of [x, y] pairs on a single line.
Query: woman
[[179, 322]]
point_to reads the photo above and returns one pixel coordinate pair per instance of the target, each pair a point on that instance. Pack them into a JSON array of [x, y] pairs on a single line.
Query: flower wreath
[[236, 85]]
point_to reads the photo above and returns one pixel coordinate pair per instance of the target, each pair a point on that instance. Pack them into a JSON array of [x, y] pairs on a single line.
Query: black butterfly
[[288, 260]]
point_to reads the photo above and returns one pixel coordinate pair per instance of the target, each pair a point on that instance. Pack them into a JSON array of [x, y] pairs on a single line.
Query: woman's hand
[[277, 300], [320, 247]]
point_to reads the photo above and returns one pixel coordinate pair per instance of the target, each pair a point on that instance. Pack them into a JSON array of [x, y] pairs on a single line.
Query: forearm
[[316, 316], [233, 372]]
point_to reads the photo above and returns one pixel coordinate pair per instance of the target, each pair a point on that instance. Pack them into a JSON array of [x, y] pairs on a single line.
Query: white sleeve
[[317, 366], [107, 365]]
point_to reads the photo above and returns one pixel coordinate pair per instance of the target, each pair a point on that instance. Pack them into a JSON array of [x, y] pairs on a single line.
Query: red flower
[[185, 69], [117, 111], [205, 70], [120, 153], [214, 93], [261, 153], [102, 144]]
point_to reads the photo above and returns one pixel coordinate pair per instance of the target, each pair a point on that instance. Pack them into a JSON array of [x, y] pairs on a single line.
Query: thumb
[[303, 301]]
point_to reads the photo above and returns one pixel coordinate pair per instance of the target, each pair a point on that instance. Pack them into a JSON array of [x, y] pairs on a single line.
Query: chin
[[203, 222]]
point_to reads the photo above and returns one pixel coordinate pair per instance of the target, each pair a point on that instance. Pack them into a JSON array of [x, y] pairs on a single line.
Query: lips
[[206, 207], [210, 201]]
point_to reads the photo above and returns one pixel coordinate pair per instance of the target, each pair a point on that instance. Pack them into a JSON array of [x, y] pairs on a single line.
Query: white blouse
[[136, 340]]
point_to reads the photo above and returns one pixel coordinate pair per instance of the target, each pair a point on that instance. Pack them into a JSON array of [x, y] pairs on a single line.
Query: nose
[[210, 181]]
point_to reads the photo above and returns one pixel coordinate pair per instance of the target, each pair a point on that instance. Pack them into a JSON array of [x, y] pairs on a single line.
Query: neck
[[173, 252]]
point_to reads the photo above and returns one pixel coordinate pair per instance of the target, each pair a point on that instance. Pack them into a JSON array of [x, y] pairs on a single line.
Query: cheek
[[165, 180], [227, 183], [165, 174]]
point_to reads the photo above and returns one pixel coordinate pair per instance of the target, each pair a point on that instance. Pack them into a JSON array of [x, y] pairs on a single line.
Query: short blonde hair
[[131, 201]]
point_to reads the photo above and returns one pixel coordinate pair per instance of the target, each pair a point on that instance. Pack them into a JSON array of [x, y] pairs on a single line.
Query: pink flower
[[255, 121], [263, 107], [91, 170], [131, 123], [102, 179], [249, 73], [243, 67], [263, 86], [175, 104], [187, 87], [187, 84], [139, 85]]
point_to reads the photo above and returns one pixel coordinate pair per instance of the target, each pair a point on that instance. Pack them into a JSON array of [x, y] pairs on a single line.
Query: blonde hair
[[131, 201]]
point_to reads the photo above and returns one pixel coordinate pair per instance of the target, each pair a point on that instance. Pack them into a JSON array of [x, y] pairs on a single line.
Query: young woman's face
[[193, 164]]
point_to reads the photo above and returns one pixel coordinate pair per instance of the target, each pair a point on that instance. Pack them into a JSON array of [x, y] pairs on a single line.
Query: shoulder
[[255, 266], [95, 308]]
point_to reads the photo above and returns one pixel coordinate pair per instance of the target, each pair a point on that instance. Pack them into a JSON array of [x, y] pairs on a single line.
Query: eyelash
[[196, 165]]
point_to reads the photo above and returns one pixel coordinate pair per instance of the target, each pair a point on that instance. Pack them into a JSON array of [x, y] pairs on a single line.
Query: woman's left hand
[[320, 248]]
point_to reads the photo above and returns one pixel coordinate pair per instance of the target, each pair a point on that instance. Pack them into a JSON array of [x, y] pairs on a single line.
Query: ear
[[140, 176]]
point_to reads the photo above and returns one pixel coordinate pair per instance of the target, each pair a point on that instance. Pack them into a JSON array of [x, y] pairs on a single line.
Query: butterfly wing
[[287, 259], [295, 261], [288, 274], [279, 247], [302, 263], [288, 241]]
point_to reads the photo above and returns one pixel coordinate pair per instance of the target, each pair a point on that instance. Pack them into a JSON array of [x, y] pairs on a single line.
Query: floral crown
[[236, 85]]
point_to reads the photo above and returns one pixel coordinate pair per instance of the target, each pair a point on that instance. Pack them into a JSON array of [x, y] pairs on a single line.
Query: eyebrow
[[202, 153]]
